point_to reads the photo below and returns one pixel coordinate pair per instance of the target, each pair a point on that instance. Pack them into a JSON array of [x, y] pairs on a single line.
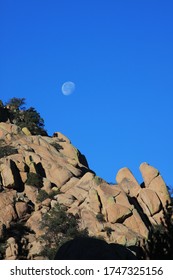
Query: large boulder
[[21, 209], [26, 131], [115, 205], [10, 175], [7, 175], [154, 182], [11, 130], [158, 185], [12, 249], [136, 224], [149, 201], [34, 223], [35, 248], [89, 221], [31, 193], [148, 173], [127, 182], [7, 211]]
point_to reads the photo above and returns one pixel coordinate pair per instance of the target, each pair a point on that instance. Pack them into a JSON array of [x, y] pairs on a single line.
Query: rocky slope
[[121, 213]]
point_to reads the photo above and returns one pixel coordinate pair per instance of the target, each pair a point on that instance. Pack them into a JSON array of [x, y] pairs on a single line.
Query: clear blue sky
[[119, 53]]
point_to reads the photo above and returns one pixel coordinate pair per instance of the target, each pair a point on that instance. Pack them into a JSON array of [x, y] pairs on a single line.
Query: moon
[[68, 88]]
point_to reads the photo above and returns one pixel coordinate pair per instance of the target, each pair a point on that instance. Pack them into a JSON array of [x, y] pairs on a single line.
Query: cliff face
[[120, 213]]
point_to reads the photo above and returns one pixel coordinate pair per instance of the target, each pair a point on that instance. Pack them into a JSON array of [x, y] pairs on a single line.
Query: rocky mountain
[[37, 172]]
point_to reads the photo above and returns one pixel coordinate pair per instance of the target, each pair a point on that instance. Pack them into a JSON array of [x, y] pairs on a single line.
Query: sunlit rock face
[[121, 213]]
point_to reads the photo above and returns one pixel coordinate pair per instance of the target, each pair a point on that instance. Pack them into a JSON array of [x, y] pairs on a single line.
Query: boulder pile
[[121, 213]]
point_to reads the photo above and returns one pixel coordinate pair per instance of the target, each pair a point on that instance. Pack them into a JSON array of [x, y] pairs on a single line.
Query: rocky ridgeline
[[120, 213]]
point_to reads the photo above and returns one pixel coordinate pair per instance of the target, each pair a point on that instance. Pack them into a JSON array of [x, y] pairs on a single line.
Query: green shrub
[[23, 117], [42, 195], [2, 142], [59, 227], [7, 151], [53, 193], [4, 113], [98, 180], [1, 104], [16, 103], [34, 179]]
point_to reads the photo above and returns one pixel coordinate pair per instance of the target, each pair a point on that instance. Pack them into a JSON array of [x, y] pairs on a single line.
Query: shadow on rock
[[88, 248]]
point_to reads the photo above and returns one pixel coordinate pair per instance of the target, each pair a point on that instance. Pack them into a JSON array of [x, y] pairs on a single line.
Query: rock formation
[[121, 213]]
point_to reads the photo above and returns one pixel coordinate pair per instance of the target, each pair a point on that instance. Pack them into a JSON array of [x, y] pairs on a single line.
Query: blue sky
[[119, 53]]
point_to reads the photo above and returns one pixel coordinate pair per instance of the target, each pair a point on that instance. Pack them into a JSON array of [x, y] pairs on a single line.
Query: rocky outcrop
[[127, 181], [7, 210], [40, 165], [153, 181], [12, 249]]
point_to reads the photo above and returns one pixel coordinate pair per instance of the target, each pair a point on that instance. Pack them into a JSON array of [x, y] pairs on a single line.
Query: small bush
[[42, 195], [53, 193], [1, 104], [3, 246], [98, 180], [7, 151], [159, 245], [35, 180], [100, 217]]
